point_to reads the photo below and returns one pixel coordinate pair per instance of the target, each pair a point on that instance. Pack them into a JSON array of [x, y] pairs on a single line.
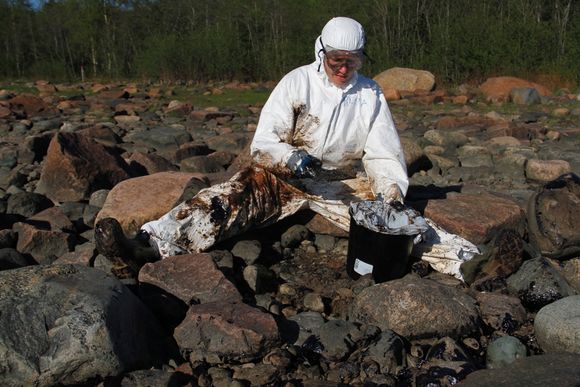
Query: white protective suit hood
[[340, 33]]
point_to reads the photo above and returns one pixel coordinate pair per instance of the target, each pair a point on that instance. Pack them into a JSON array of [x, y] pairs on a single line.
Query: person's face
[[340, 66]]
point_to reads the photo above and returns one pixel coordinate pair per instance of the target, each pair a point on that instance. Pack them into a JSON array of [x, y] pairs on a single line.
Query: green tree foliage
[[263, 39]]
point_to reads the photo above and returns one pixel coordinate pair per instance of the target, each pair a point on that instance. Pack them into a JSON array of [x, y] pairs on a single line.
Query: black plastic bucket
[[384, 255]]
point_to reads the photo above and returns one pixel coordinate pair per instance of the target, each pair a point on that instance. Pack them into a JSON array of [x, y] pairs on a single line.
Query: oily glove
[[392, 194], [302, 164]]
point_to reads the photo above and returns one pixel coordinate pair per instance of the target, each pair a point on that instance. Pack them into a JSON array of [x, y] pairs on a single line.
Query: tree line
[[253, 40]]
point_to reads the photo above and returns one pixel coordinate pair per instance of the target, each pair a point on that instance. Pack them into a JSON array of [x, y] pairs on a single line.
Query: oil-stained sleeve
[[383, 159], [271, 144]]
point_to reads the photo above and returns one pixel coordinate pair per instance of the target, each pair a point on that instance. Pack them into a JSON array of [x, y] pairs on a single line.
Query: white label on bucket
[[361, 267]]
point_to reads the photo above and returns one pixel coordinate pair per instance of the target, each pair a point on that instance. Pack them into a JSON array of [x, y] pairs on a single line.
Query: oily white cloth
[[220, 212], [339, 126]]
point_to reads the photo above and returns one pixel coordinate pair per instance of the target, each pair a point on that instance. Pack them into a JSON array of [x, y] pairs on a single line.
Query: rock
[[501, 312], [504, 141], [159, 137], [415, 159], [7, 237], [233, 142], [113, 94], [64, 325], [546, 170], [499, 88], [226, 332], [389, 353], [417, 308], [324, 243], [391, 94], [4, 112], [102, 134], [44, 246], [299, 327], [446, 139], [127, 120], [259, 278], [75, 166], [258, 375], [560, 112], [474, 156], [149, 163], [338, 338], [538, 283], [136, 201], [553, 212], [27, 203], [571, 272], [82, 255], [201, 164], [294, 236], [558, 370], [320, 225], [468, 215], [557, 325], [11, 259], [249, 251], [191, 149], [98, 198], [405, 79], [525, 96], [53, 218], [504, 351], [30, 105], [314, 302], [193, 278], [155, 378]]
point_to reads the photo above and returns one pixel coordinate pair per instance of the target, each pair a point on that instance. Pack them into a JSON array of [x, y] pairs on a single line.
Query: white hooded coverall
[[338, 126]]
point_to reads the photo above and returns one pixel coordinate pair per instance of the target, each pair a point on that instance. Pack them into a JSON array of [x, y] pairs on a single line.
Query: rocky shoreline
[[275, 306]]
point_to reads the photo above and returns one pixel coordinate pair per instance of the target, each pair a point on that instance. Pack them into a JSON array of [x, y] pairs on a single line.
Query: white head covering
[[343, 33]]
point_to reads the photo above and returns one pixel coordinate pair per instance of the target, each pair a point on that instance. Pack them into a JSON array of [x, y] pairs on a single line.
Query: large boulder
[[556, 370], [417, 308], [139, 200], [193, 278], [468, 215], [28, 104], [499, 88], [76, 166], [557, 326], [220, 332], [404, 79], [45, 246], [68, 324]]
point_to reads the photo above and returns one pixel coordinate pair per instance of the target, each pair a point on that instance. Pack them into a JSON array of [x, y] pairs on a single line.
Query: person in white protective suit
[[323, 121], [325, 138]]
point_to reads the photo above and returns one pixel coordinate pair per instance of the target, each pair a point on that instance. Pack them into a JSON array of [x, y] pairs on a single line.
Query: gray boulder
[[66, 324], [219, 332], [557, 326], [417, 308], [554, 370]]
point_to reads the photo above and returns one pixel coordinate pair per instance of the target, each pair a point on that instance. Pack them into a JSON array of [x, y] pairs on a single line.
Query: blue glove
[[302, 164]]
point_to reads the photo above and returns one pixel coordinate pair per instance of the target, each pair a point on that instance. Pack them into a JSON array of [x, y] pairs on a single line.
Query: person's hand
[[303, 165], [391, 195]]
